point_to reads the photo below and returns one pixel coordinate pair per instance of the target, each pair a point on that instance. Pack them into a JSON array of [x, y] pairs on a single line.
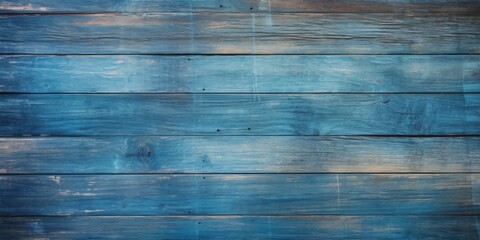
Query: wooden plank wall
[[251, 119]]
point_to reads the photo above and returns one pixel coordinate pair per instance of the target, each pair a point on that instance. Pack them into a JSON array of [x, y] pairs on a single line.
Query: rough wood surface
[[238, 194], [237, 154], [240, 114], [240, 33], [248, 119], [239, 74], [241, 227], [362, 6]]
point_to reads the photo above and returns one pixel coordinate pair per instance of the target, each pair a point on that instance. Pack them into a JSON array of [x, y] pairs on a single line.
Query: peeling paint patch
[[70, 193], [130, 20], [28, 7], [90, 211], [234, 177], [56, 179]]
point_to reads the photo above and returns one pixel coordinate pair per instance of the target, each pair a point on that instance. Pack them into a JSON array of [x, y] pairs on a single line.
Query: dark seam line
[[241, 215], [230, 55], [230, 93], [238, 173], [239, 54], [238, 135], [405, 10]]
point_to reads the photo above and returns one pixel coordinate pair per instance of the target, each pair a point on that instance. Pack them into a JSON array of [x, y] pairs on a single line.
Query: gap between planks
[[239, 173], [236, 215], [232, 93], [235, 54], [234, 135]]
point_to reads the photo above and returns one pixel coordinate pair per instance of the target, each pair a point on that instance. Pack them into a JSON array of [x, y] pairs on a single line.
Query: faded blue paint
[[238, 227], [238, 154], [369, 6], [298, 183], [232, 194], [235, 74], [234, 33], [234, 114]]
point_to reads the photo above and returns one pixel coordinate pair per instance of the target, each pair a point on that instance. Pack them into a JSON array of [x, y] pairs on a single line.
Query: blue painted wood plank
[[240, 114], [237, 154], [235, 33], [27, 195], [242, 227], [48, 6], [239, 74]]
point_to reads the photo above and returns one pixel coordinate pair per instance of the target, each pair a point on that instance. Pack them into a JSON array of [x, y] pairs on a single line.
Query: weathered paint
[[240, 114], [261, 194], [238, 154], [239, 227], [104, 180], [240, 33], [239, 74], [364, 6]]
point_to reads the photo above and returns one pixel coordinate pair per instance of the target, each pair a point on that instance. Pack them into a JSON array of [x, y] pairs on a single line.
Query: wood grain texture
[[238, 194], [49, 6], [248, 119], [237, 154], [243, 227], [240, 114], [239, 74], [240, 33]]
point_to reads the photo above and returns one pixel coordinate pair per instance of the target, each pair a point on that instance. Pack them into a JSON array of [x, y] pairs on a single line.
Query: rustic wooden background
[[239, 119]]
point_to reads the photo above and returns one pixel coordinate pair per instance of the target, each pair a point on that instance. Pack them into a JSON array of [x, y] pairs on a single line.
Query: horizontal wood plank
[[243, 227], [49, 6], [237, 154], [239, 74], [238, 194], [240, 114], [237, 33]]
